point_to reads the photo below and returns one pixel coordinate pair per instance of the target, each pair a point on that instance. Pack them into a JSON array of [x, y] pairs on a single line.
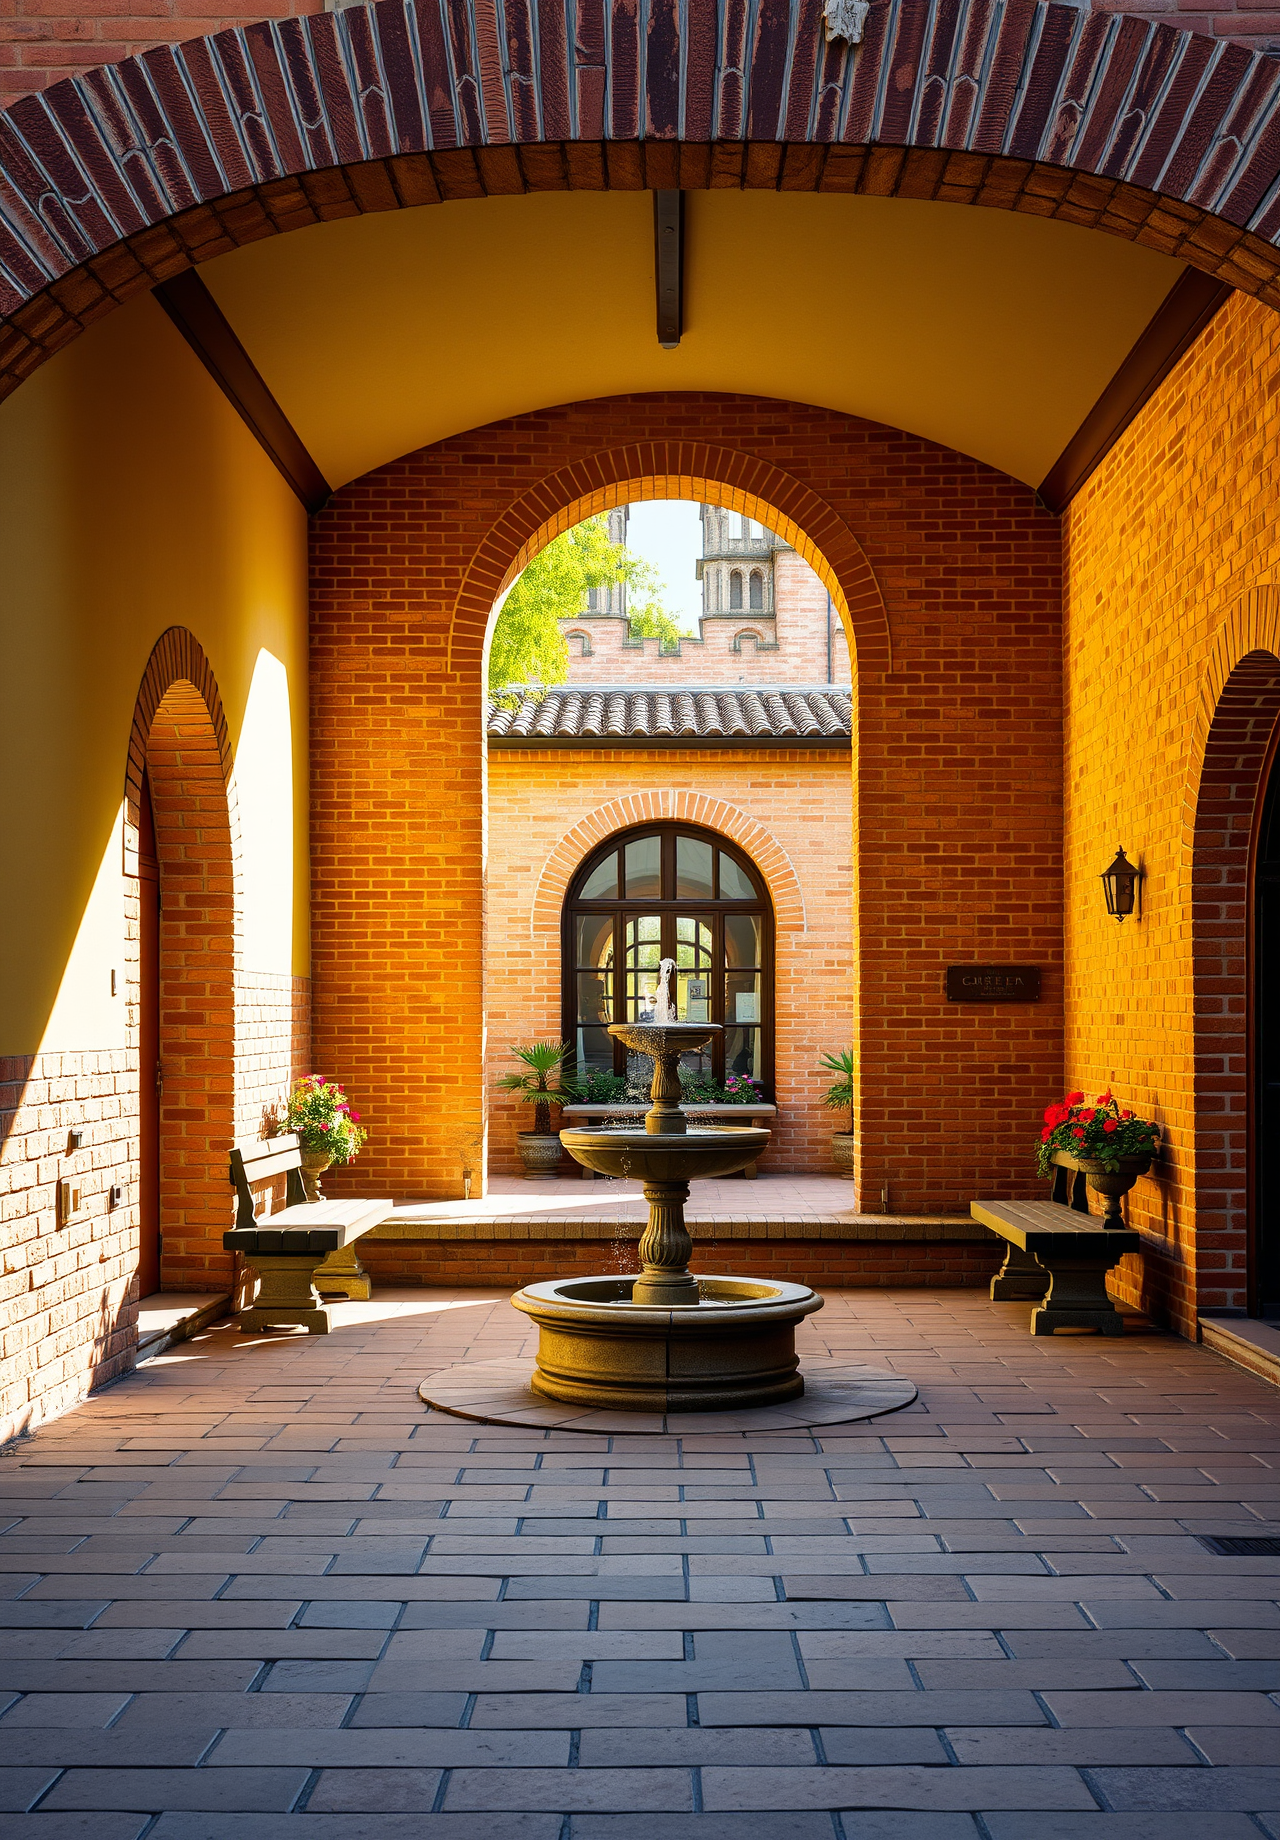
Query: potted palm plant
[[839, 1098], [544, 1082]]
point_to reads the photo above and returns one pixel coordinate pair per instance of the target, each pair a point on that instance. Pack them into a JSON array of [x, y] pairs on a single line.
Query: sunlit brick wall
[[958, 750], [1170, 553], [801, 797]]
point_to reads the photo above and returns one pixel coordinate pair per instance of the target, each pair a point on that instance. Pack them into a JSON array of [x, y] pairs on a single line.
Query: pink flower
[[323, 1124], [355, 1117]]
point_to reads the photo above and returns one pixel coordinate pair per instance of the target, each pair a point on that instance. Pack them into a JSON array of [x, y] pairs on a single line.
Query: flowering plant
[[698, 1087], [318, 1111], [1100, 1132]]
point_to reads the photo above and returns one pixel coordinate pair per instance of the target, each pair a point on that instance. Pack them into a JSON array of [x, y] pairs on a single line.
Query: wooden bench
[[697, 1114], [305, 1252], [1059, 1253]]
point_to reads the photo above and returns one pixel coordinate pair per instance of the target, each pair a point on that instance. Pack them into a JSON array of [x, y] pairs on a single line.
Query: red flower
[[1074, 1098], [1045, 1135], [1076, 1131], [1105, 1098], [1110, 1124], [1126, 1114]]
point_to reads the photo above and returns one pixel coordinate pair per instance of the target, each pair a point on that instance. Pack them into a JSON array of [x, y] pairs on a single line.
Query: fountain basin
[[732, 1349], [694, 1155]]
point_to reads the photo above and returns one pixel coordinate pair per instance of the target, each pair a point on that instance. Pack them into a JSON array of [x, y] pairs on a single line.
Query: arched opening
[[735, 591], [184, 988], [150, 1065], [756, 601], [670, 891], [1234, 1040], [1264, 1247]]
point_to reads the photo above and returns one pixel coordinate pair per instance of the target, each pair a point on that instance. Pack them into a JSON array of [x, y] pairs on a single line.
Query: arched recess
[[679, 806], [133, 172], [1237, 715], [179, 738], [679, 469]]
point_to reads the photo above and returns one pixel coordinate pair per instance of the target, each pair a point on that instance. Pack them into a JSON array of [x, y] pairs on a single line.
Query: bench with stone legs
[[307, 1251], [1058, 1257]]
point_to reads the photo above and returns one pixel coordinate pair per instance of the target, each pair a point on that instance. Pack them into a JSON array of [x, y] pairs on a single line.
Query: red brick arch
[[669, 806], [129, 174], [179, 736], [1238, 711], [736, 480]]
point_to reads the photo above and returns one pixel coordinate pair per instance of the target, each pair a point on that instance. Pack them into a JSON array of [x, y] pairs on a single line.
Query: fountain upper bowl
[[687, 1156]]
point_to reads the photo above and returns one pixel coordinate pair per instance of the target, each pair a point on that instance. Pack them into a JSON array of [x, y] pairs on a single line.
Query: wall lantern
[[1122, 883]]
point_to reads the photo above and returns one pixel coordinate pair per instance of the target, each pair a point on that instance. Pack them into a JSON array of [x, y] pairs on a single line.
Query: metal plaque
[[993, 983]]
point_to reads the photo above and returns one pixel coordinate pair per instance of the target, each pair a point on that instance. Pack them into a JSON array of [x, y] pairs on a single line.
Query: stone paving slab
[[259, 1591]]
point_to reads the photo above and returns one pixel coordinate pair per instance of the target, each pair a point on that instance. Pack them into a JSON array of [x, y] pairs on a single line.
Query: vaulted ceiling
[[988, 332]]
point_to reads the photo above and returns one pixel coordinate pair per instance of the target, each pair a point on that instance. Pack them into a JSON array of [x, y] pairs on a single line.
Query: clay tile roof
[[741, 717]]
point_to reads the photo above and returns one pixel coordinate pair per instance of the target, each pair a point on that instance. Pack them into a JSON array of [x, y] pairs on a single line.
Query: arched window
[[593, 600], [757, 589], [670, 891], [735, 589]]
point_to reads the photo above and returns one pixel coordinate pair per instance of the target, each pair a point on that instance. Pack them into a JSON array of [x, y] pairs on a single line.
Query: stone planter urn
[[540, 1155], [842, 1143], [1111, 1184], [314, 1164]]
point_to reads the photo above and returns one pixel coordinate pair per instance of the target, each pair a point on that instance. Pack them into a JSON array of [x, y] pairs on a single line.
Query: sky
[[668, 534]]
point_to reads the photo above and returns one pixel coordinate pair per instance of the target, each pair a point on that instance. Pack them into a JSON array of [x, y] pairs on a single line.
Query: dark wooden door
[[1265, 1276], [148, 1046]]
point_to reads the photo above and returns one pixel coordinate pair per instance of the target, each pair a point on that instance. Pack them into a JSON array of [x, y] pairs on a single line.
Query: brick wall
[[825, 1264], [68, 1290], [957, 804], [785, 645], [801, 797], [1173, 685]]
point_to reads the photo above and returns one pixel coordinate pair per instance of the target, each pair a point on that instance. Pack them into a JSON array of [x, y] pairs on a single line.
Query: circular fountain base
[[732, 1350]]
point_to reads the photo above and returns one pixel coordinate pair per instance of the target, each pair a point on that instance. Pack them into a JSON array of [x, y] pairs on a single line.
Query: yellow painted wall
[[1165, 551], [132, 499]]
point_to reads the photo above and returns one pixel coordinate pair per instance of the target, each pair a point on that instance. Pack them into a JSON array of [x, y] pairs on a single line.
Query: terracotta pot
[[1111, 1184], [842, 1143], [314, 1164], [540, 1155]]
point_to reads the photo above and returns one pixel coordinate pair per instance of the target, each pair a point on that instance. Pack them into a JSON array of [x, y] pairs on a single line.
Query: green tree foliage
[[528, 646]]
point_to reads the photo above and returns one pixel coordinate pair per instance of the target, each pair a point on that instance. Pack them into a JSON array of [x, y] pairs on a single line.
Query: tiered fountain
[[665, 1340]]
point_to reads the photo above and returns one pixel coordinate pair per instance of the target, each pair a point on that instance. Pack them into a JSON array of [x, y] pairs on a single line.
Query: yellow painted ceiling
[[990, 333]]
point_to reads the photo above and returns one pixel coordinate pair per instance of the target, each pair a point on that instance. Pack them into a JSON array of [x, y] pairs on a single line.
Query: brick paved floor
[[256, 1591]]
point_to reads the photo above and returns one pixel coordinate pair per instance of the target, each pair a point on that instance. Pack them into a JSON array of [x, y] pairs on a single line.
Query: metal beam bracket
[[668, 266]]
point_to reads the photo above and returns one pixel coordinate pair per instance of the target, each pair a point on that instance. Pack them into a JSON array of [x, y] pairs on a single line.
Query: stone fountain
[[665, 1340]]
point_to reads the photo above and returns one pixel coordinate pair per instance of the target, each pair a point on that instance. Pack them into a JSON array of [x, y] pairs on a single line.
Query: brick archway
[[1238, 713], [131, 173], [664, 808], [729, 477], [179, 737]]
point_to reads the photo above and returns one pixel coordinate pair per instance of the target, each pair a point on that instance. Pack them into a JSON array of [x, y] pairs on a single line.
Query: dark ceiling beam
[[208, 332], [1182, 315], [668, 266]]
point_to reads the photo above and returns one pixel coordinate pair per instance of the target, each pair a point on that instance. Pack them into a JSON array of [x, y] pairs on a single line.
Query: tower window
[[735, 589], [757, 589]]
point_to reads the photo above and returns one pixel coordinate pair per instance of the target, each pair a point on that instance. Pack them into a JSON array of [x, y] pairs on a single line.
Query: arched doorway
[[670, 891], [1264, 1261], [149, 1063], [184, 981]]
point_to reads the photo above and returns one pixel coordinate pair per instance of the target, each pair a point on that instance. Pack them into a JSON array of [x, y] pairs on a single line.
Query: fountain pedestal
[[665, 1340]]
